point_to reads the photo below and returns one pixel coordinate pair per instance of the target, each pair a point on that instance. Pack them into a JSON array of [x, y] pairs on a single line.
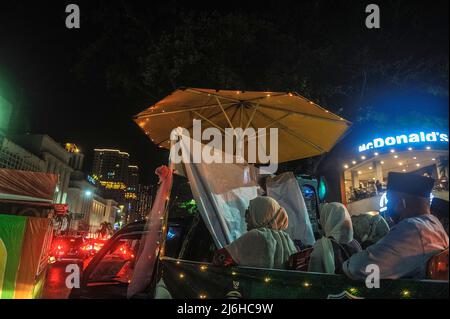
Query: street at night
[[55, 285], [230, 158]]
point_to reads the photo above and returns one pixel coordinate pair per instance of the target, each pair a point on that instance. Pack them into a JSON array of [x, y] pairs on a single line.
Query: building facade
[[76, 157], [14, 156], [365, 168], [87, 208], [56, 159]]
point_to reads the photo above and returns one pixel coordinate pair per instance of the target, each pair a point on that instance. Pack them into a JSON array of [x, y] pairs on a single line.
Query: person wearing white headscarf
[[265, 244], [337, 244]]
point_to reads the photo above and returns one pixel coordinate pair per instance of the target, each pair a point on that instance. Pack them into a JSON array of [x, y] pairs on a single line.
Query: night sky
[[38, 55]]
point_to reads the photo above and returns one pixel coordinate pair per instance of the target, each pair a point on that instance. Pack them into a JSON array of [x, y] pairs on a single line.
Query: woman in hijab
[[265, 244], [337, 244]]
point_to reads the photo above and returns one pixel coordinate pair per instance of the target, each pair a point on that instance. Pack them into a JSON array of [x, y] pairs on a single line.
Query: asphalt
[[55, 285]]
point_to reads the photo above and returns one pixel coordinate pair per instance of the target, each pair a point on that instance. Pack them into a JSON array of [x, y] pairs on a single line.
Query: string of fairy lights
[[268, 280], [143, 118]]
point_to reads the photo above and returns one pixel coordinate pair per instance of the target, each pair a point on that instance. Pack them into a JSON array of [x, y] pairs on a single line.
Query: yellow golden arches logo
[[3, 258]]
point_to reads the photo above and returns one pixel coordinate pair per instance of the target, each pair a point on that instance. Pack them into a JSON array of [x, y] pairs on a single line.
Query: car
[[109, 272], [186, 271], [67, 249]]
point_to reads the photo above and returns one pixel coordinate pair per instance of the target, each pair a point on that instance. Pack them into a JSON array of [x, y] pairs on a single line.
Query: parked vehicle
[[108, 273], [68, 249], [186, 272]]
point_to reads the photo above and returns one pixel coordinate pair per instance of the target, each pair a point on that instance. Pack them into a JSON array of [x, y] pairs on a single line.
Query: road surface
[[55, 286]]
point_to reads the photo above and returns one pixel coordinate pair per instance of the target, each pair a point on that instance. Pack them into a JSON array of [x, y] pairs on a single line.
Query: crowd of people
[[348, 245], [372, 188]]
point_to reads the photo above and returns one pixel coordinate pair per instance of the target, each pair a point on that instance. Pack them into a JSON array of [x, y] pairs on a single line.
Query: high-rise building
[[133, 178], [110, 165], [144, 201], [131, 196], [88, 205], [110, 169]]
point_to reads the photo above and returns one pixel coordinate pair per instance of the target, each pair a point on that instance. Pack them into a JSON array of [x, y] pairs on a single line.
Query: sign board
[[405, 139]]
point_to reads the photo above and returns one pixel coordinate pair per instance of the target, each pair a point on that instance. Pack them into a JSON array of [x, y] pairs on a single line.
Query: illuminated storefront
[[365, 171]]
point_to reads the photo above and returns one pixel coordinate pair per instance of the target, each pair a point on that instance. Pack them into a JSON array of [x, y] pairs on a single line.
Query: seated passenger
[[337, 244], [368, 229], [265, 244], [405, 251]]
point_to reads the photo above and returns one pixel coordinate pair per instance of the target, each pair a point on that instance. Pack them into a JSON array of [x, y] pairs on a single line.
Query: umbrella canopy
[[304, 128]]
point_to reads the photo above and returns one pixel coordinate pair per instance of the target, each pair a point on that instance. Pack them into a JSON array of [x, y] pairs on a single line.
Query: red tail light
[[59, 249]]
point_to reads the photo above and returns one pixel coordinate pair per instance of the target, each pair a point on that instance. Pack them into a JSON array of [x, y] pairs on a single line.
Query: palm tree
[[105, 229]]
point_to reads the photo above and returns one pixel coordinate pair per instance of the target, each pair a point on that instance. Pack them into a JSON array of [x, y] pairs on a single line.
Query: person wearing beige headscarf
[[337, 244], [369, 228], [265, 244]]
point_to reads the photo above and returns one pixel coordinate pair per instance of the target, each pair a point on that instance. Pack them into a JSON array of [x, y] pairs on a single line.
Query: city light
[[363, 157], [345, 166], [88, 193], [376, 153], [113, 185], [405, 293], [353, 162], [409, 148], [392, 151]]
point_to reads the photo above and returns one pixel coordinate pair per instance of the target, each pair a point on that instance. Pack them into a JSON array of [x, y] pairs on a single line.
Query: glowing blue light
[[384, 201], [88, 193], [171, 234]]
